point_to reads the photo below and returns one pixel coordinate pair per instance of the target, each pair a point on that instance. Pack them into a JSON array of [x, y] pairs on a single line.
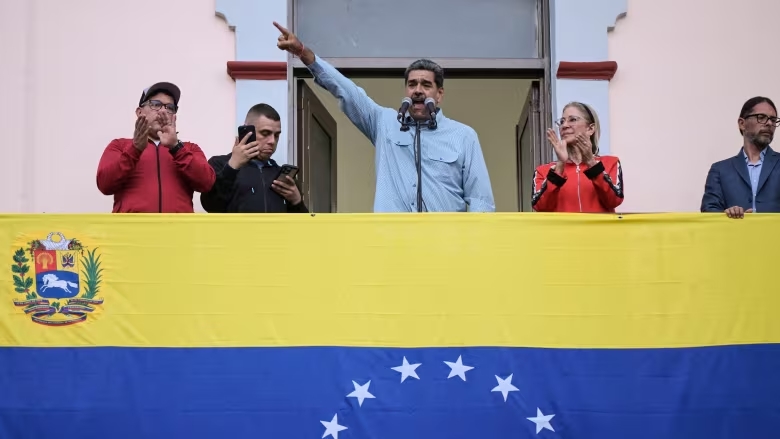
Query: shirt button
[[414, 185]]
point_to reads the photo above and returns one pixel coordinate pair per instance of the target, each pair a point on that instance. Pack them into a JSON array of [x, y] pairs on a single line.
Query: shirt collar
[[262, 164], [760, 157]]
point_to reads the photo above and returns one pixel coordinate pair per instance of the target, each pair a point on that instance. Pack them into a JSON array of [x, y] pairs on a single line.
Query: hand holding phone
[[287, 189], [243, 130], [245, 148]]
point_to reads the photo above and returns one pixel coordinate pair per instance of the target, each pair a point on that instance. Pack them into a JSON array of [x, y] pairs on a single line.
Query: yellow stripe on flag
[[534, 280]]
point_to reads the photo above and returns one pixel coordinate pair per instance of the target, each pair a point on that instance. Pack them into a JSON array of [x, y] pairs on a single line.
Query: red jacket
[[579, 188], [153, 181]]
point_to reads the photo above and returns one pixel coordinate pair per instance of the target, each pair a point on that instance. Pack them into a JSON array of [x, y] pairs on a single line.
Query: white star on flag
[[332, 428], [542, 421], [407, 370], [505, 386], [361, 392], [458, 369]]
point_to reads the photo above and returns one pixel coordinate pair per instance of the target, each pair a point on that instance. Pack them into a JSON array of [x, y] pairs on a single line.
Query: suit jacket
[[728, 185]]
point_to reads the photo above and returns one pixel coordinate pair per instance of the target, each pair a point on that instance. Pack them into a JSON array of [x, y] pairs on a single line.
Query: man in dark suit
[[750, 181], [246, 178]]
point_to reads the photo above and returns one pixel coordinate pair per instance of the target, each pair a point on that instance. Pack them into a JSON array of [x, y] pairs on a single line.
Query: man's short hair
[[263, 110], [426, 64]]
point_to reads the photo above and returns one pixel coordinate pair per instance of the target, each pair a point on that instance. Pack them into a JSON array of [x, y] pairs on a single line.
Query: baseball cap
[[165, 87]]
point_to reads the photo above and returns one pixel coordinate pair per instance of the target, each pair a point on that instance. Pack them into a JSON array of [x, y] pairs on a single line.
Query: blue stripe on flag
[[84, 393]]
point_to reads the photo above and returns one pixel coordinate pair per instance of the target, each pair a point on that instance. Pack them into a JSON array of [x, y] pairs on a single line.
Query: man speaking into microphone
[[454, 177]]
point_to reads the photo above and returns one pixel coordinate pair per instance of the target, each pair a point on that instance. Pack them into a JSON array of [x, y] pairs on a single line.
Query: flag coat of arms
[[386, 326], [49, 293]]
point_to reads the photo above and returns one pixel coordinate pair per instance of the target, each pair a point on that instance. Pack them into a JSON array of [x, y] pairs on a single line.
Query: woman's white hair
[[592, 118]]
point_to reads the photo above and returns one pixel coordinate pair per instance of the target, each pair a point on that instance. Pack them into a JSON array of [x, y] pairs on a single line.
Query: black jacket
[[247, 190]]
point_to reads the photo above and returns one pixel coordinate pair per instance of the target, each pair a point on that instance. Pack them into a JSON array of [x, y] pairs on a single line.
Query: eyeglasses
[[763, 118], [157, 105], [571, 119]]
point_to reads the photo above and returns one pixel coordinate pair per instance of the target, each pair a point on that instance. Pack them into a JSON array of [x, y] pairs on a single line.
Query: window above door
[[495, 29]]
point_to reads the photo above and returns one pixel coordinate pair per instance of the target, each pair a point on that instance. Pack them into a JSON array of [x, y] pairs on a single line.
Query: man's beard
[[761, 141]]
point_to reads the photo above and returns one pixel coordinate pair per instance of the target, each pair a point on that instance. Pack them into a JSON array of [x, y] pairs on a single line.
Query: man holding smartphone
[[248, 180]]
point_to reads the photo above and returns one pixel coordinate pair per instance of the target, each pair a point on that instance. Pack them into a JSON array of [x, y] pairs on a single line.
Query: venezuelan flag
[[389, 326]]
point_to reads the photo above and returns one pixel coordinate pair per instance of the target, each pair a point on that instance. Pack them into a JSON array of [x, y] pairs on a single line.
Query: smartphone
[[290, 170], [243, 130]]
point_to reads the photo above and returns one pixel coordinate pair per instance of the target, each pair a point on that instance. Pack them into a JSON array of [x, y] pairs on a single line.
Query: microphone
[[430, 104], [405, 104]]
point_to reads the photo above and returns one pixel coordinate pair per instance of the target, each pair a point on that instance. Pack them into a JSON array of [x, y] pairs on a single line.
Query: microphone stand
[[405, 125]]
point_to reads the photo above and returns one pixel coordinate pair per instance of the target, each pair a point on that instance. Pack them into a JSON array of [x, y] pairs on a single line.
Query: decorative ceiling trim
[[260, 70], [599, 70]]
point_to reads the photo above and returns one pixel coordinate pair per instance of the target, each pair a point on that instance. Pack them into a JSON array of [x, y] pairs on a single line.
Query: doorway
[[529, 140], [316, 152], [523, 53]]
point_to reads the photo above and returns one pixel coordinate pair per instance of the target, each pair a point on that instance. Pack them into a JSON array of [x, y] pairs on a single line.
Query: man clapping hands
[[154, 172]]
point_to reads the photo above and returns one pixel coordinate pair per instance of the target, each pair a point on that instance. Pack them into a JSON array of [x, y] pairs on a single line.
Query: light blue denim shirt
[[754, 171], [454, 174]]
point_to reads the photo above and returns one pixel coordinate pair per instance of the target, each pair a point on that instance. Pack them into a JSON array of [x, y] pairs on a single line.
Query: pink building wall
[[685, 69], [71, 75]]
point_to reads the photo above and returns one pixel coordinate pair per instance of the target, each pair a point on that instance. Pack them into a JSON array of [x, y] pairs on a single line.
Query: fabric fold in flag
[[385, 326]]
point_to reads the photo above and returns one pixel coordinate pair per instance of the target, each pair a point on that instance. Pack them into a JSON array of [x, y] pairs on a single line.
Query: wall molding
[[597, 70], [262, 70], [621, 15]]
